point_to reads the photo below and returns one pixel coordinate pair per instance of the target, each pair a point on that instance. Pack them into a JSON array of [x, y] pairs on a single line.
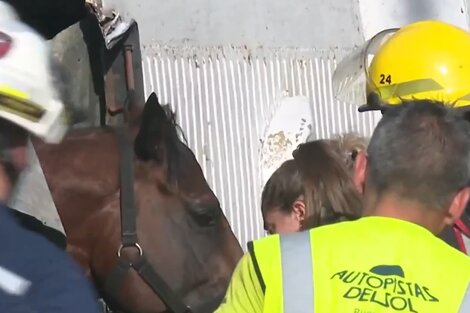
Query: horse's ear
[[152, 100], [153, 130]]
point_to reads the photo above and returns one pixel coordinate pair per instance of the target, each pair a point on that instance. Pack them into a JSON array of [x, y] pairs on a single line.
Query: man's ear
[[360, 171], [457, 206], [298, 207]]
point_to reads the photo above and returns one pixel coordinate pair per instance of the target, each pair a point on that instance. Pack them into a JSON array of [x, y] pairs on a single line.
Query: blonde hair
[[348, 145]]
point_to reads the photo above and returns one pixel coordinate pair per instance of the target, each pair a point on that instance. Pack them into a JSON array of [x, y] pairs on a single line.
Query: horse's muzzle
[[209, 306]]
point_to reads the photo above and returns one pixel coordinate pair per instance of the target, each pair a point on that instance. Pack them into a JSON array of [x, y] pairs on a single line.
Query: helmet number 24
[[385, 79]]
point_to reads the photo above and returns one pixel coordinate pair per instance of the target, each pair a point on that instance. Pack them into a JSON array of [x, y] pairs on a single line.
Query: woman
[[314, 188]]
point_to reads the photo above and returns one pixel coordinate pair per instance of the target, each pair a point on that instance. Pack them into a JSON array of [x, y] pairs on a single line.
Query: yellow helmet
[[422, 60]]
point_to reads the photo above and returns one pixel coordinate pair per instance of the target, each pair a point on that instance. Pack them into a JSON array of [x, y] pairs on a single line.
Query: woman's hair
[[320, 177], [283, 187], [348, 146]]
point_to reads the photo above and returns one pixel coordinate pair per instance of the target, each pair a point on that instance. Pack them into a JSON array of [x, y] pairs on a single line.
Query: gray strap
[[465, 306], [297, 273]]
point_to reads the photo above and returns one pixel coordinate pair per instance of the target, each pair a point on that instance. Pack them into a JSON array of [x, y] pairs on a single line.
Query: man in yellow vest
[[422, 60], [415, 180]]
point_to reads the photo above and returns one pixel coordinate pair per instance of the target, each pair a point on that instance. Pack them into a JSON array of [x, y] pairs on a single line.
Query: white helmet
[[27, 96]]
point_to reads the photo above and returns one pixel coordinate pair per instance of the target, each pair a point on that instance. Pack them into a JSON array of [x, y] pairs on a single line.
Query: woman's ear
[[298, 208]]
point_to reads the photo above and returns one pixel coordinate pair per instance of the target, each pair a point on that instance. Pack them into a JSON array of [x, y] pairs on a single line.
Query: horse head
[[172, 193], [180, 225]]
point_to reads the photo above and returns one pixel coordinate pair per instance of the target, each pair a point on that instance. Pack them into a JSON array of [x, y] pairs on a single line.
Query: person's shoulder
[[246, 290], [23, 238], [263, 243], [22, 247], [453, 254], [335, 227]]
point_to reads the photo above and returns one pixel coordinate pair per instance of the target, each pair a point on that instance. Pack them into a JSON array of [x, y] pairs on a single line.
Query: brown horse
[[180, 226]]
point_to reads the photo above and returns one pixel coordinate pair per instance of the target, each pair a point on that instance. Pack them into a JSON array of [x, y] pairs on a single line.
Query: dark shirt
[[33, 224], [56, 283]]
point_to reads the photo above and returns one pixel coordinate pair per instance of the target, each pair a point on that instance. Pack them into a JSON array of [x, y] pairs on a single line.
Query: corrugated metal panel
[[224, 98]]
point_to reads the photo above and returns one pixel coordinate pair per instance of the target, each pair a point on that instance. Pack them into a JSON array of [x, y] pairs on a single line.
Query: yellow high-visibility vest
[[372, 265]]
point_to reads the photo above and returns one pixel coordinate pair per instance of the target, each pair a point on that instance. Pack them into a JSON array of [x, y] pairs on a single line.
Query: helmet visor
[[350, 77]]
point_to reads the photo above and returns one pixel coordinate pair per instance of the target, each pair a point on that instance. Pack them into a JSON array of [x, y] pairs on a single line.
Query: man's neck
[[411, 211]]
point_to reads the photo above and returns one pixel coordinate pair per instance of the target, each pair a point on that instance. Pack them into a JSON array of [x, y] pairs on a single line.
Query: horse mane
[[174, 150], [172, 118]]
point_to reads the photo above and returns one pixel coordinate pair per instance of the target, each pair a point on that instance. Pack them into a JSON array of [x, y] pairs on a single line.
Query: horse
[[181, 248]]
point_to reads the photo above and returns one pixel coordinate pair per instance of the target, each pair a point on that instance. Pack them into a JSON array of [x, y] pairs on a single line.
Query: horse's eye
[[206, 217]]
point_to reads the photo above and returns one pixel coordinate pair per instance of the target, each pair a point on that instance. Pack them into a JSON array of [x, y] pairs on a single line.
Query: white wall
[[225, 66], [278, 23]]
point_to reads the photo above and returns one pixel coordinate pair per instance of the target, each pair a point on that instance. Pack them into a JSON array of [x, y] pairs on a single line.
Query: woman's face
[[277, 221]]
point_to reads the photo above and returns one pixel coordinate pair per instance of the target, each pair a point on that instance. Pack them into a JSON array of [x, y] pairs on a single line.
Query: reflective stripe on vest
[[465, 306], [297, 272]]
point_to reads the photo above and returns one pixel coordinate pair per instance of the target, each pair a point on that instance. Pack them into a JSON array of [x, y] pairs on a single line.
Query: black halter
[[129, 236]]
